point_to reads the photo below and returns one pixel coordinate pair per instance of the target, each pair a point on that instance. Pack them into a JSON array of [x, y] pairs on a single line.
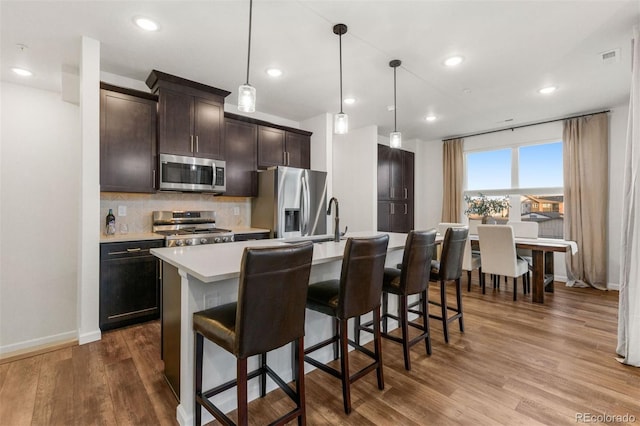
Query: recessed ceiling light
[[430, 118], [391, 108], [349, 101], [548, 90], [453, 61], [22, 72], [145, 23], [274, 72]]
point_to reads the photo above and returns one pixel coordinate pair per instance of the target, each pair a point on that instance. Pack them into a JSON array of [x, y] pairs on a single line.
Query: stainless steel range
[[189, 228]]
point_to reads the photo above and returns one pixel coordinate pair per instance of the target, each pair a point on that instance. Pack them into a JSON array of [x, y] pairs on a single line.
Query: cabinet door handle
[[153, 179], [288, 159], [392, 191], [406, 210], [392, 209], [191, 143], [284, 158], [197, 149], [406, 193]]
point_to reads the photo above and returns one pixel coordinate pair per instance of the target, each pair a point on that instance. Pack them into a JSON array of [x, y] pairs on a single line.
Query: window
[[530, 175]]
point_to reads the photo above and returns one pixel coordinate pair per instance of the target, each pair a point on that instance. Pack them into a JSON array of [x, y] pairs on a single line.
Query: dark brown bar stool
[[269, 314], [357, 292], [411, 278], [447, 270]]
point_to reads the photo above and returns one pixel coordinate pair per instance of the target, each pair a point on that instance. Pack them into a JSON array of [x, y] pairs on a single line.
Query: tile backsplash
[[139, 208]]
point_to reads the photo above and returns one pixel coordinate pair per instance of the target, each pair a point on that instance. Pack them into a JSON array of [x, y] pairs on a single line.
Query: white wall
[[429, 177], [39, 193], [428, 185], [355, 166]]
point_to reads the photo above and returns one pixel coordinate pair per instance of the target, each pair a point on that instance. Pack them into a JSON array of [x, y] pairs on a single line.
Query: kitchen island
[[200, 277]]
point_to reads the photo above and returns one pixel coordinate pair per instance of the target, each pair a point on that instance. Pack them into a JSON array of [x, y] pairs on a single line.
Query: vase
[[488, 220]]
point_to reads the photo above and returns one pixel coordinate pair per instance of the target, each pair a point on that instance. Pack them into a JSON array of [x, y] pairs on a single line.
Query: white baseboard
[[560, 278], [89, 337], [39, 342], [613, 286]]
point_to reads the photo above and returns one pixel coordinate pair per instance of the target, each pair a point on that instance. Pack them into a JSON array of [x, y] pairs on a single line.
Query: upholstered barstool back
[[360, 279], [450, 265], [449, 269], [411, 278], [269, 313], [357, 292], [418, 252]]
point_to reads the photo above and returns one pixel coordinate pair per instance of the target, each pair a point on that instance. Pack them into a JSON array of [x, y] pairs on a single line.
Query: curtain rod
[[525, 125]]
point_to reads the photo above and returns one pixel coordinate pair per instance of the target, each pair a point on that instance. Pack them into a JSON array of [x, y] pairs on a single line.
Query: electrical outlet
[[122, 210], [236, 211]]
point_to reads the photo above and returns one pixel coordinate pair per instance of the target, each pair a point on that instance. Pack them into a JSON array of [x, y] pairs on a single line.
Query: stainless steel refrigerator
[[291, 202]]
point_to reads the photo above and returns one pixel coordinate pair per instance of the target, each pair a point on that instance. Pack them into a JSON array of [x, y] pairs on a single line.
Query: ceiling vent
[[610, 56]]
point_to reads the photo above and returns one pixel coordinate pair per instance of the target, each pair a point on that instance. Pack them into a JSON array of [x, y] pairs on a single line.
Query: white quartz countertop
[[216, 262]]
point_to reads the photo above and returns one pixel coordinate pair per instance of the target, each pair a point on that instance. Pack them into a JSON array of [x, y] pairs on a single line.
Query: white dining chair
[[498, 251], [525, 230]]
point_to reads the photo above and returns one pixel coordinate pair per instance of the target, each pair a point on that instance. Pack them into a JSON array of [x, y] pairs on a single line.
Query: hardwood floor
[[516, 363]]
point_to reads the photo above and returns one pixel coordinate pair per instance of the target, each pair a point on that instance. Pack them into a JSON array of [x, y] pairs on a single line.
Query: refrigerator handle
[[305, 202]]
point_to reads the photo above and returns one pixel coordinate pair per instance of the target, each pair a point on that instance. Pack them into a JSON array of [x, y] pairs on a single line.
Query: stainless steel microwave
[[192, 174]]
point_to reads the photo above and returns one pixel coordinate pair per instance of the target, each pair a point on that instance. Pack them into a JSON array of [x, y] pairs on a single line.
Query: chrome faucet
[[336, 226]]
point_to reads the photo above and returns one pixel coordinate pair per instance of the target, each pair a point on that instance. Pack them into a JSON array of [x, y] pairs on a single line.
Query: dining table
[[542, 250]]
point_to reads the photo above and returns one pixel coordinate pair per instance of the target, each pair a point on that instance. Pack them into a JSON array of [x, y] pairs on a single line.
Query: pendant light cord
[[395, 108], [249, 45], [341, 74]]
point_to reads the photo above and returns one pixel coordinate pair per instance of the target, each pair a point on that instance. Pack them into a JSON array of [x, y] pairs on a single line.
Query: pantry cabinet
[[396, 170]]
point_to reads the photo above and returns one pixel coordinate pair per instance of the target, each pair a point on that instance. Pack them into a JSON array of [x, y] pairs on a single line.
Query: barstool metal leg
[[404, 326], [424, 305], [298, 368], [385, 311], [263, 375], [459, 302]]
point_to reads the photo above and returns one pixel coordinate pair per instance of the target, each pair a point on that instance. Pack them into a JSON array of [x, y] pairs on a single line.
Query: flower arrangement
[[484, 206]]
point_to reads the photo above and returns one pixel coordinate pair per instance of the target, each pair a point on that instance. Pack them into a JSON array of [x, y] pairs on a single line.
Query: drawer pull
[[127, 251]]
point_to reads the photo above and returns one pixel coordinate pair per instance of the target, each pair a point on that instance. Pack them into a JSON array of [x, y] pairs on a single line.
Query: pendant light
[[340, 120], [246, 92], [395, 137]]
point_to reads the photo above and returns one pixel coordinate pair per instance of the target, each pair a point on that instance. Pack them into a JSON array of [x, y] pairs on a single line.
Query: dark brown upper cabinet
[[278, 147], [190, 116], [241, 150], [127, 139]]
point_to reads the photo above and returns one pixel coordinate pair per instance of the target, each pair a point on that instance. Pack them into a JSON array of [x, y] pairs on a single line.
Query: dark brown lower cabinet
[[129, 283], [395, 216], [252, 236]]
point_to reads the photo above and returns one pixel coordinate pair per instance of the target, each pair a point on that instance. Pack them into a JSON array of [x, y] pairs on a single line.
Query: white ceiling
[[511, 49]]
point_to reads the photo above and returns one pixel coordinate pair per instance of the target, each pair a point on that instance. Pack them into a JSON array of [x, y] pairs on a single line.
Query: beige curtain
[[452, 175], [586, 184]]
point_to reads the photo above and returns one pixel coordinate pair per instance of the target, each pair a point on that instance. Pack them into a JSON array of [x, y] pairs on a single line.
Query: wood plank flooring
[[517, 363]]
